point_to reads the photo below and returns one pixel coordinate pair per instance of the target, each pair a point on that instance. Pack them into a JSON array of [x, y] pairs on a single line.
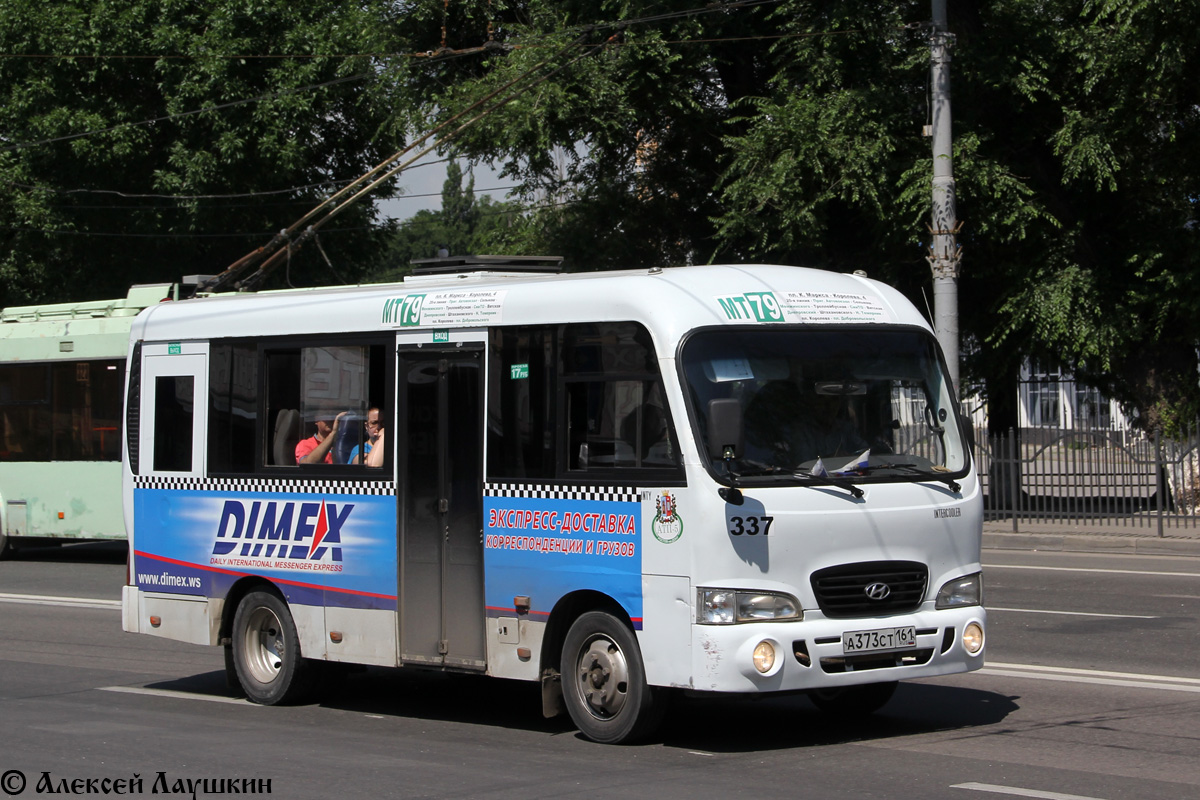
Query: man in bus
[[316, 448]]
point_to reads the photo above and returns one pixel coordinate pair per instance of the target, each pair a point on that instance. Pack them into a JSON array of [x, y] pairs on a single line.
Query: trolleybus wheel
[[5, 551], [854, 700], [266, 651], [604, 681]]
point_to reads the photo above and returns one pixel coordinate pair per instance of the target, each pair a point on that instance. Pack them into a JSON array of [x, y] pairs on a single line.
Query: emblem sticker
[[667, 525]]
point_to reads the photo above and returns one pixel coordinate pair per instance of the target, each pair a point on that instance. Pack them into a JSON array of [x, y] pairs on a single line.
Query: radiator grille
[[842, 590]]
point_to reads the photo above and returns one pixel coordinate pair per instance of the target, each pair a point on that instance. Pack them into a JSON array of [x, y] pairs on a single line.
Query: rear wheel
[[854, 701], [604, 681], [266, 651]]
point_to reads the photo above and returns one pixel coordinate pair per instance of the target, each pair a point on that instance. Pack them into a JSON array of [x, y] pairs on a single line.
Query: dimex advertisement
[[323, 549]]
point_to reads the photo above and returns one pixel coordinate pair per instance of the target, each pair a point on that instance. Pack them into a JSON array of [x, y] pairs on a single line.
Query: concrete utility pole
[[944, 253]]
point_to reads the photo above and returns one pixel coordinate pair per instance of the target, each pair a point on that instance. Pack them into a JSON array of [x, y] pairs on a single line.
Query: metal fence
[[1086, 474]]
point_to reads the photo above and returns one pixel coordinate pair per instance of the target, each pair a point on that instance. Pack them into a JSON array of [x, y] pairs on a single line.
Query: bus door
[[174, 390], [441, 532]]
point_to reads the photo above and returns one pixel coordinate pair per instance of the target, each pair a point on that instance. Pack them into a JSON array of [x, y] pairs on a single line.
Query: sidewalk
[[1091, 538]]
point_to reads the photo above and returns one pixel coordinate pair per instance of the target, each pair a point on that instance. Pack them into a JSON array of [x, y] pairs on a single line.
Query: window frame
[[264, 427], [561, 380]]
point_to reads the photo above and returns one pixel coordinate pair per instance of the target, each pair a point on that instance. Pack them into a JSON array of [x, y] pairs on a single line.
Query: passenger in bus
[[316, 448], [374, 426]]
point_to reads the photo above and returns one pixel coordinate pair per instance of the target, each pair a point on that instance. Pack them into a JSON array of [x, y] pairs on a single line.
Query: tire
[[266, 651], [604, 681], [853, 701], [5, 550]]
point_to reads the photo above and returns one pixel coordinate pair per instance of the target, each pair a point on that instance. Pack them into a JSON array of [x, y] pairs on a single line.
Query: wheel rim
[[264, 645], [603, 677]]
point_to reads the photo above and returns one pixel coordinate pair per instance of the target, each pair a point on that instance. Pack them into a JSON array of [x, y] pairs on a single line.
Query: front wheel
[[604, 681], [854, 701], [266, 651]]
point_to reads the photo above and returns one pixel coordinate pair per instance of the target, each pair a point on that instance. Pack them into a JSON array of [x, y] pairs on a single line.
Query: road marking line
[[48, 600], [991, 787], [1070, 613], [208, 698], [1094, 569], [1099, 677]]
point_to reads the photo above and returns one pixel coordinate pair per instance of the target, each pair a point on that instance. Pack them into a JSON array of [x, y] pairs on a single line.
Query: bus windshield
[[864, 404]]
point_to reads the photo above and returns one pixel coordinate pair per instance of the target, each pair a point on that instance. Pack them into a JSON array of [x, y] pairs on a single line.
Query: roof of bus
[[669, 302]]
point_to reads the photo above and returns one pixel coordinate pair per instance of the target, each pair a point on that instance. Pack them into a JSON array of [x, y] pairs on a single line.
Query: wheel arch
[[568, 609], [233, 598]]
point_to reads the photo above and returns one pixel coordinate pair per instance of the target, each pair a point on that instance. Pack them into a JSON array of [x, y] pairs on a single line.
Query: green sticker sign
[[403, 311], [518, 371], [752, 307], [174, 349]]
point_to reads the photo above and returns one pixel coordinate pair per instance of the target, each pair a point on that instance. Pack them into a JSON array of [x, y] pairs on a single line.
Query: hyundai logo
[[877, 591]]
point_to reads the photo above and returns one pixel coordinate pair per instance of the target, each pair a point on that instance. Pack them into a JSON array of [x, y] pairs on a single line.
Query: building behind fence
[[1076, 459]]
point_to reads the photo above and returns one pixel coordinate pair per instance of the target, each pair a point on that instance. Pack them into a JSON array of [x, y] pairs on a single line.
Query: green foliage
[[108, 176], [644, 133], [465, 225], [791, 132]]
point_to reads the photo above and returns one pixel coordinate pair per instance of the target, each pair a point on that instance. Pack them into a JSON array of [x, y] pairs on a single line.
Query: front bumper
[[809, 653]]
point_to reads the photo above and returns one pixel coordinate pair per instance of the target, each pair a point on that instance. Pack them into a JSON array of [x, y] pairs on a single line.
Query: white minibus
[[621, 485]]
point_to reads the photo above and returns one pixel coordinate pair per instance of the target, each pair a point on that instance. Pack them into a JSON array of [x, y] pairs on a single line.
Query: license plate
[[880, 640]]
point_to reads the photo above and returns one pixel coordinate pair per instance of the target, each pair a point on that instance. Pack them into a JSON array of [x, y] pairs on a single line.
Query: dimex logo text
[[287, 533]]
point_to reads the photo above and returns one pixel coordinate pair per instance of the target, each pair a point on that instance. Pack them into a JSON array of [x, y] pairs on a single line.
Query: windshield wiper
[[913, 469], [829, 480], [753, 469]]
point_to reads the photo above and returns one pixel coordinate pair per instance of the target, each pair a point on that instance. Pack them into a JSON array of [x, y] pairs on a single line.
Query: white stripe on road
[[47, 600], [237, 701], [1092, 676], [1070, 613], [1092, 569], [991, 787]]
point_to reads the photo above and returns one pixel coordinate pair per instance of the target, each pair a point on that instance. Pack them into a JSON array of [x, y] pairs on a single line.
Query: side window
[[578, 401], [62, 411], [233, 406], [25, 412], [274, 402], [616, 415], [174, 407], [326, 404], [522, 402]]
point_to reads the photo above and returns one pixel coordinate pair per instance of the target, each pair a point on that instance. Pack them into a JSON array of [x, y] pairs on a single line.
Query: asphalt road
[[1092, 690]]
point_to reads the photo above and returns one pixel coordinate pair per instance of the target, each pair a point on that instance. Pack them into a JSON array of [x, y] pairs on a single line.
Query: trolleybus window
[[61, 411]]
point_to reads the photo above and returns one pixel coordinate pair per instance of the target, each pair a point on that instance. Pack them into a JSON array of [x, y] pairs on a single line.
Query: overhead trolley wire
[[272, 255]]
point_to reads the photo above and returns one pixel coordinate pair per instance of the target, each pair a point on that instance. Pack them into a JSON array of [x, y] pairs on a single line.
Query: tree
[[465, 225], [146, 139], [790, 132]]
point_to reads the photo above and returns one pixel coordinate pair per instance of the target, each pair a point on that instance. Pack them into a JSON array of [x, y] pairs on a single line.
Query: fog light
[[973, 638], [764, 657]]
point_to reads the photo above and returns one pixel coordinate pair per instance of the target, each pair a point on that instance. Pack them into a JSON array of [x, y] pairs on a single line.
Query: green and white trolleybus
[[62, 378], [622, 485]]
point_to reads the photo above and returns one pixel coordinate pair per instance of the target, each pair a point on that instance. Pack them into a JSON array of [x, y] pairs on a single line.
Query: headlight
[[728, 607], [965, 591]]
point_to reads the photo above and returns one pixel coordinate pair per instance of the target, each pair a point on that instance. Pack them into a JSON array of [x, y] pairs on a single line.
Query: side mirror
[[726, 435]]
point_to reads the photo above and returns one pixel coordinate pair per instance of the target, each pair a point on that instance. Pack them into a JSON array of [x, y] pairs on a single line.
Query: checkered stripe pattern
[[273, 485], [611, 494]]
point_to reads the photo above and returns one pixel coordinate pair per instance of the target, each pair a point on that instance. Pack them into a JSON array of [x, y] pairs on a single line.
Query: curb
[[1092, 543]]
